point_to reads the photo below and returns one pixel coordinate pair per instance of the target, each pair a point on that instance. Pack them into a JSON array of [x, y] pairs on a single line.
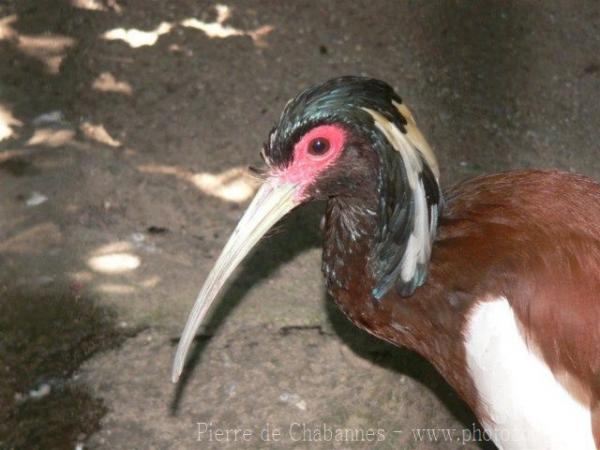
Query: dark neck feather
[[408, 215], [382, 228], [356, 239], [350, 227]]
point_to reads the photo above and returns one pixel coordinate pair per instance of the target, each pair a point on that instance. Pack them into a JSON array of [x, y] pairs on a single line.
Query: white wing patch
[[529, 409]]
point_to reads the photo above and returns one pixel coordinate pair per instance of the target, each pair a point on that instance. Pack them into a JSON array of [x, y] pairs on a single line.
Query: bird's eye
[[318, 146]]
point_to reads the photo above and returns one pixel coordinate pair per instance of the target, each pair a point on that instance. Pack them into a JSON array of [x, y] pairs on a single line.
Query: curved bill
[[272, 201]]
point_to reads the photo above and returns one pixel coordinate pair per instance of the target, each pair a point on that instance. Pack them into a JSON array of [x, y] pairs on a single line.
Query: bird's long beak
[[273, 200]]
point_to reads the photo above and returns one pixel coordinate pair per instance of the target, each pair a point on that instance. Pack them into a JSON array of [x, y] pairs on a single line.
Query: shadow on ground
[[296, 233], [403, 362], [46, 335]]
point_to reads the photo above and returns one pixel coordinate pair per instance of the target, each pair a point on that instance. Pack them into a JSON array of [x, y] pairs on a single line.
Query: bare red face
[[317, 150]]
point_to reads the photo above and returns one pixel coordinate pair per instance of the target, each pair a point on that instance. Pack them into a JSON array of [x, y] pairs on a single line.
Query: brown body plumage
[[529, 236]]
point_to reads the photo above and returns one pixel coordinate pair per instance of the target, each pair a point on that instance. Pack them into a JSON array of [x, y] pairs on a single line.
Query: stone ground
[[125, 128]]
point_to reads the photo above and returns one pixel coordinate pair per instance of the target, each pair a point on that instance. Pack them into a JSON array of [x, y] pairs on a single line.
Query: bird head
[[335, 140]]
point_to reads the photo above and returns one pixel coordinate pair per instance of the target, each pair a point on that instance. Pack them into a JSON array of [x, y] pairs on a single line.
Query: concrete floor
[[122, 159]]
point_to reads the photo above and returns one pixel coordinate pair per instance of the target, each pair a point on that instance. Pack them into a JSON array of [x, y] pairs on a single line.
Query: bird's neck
[[351, 242], [351, 235], [391, 226], [350, 229]]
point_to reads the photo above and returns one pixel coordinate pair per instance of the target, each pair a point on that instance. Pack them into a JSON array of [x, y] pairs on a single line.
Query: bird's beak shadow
[[200, 342], [299, 232]]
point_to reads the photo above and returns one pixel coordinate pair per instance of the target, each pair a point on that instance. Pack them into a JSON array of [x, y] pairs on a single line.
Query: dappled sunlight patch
[[9, 154], [218, 28], [114, 259], [6, 31], [82, 276], [114, 247], [49, 49], [106, 82], [99, 134], [7, 123], [235, 185], [113, 263], [127, 288], [51, 137], [33, 239], [97, 5], [116, 288], [138, 38], [55, 136], [90, 5], [150, 282]]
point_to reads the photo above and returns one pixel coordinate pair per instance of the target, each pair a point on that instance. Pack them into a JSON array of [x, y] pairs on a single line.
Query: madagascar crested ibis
[[496, 282]]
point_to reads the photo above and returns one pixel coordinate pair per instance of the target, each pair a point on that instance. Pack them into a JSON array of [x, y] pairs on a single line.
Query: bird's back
[[525, 246]]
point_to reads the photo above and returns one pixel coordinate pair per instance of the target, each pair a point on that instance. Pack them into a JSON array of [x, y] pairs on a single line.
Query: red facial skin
[[306, 166]]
